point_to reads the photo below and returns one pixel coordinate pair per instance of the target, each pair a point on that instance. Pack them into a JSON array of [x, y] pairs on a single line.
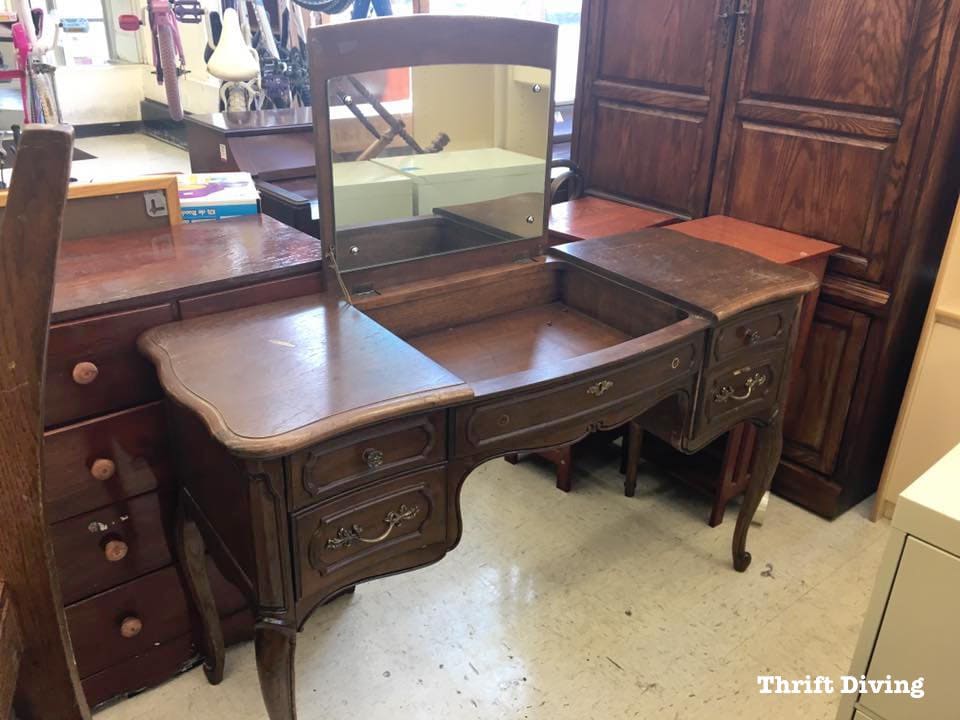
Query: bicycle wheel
[[168, 68], [47, 98]]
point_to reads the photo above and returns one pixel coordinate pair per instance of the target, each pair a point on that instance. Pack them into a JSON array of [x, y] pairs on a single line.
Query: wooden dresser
[[110, 494]]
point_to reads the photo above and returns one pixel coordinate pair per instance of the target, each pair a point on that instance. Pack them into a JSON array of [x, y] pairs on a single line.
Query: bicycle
[[168, 57], [34, 35]]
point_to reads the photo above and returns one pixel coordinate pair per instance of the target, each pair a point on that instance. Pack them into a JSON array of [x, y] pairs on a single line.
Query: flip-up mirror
[[442, 152]]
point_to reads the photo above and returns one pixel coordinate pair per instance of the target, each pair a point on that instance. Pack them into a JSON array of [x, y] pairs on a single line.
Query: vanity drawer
[[755, 330], [737, 390], [109, 546], [357, 535], [93, 366], [106, 460], [502, 423], [387, 449], [251, 295]]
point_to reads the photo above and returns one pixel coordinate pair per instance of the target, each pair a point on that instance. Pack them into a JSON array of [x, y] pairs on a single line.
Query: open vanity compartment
[[526, 317]]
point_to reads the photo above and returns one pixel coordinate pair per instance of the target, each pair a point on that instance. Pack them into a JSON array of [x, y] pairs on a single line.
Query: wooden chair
[[38, 673]]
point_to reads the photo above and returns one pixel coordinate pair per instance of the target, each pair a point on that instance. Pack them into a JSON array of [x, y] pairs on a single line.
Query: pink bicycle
[[168, 57]]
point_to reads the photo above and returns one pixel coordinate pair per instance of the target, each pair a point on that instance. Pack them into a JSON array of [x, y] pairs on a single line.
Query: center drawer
[[501, 424], [356, 458], [357, 535]]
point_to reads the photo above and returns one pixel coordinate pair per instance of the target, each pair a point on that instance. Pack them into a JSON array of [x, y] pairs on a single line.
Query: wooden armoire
[[836, 119]]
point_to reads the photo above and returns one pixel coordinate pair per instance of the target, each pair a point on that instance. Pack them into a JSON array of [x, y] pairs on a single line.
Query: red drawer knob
[[103, 469], [85, 373], [131, 627], [115, 550]]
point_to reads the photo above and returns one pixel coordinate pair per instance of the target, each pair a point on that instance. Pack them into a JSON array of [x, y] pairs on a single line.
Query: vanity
[[323, 441]]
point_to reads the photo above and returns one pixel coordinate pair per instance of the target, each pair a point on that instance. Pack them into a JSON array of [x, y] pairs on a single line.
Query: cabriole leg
[[766, 457], [276, 646], [192, 554]]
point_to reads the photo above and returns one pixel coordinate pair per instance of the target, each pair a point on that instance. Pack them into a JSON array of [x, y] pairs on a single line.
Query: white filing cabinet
[[455, 177], [912, 626]]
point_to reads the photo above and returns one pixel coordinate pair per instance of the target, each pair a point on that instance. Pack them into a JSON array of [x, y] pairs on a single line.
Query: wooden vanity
[[323, 441]]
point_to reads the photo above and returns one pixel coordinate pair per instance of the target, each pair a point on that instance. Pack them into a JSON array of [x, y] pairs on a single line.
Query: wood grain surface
[[49, 686], [588, 218]]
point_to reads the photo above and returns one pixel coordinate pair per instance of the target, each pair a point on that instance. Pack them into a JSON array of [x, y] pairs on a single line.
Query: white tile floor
[[571, 607]]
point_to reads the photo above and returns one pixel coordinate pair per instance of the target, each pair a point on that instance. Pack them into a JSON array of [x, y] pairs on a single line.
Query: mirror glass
[[437, 158]]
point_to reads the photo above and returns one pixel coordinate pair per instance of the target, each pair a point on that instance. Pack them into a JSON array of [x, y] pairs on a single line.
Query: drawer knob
[[373, 458], [727, 392], [115, 550], [599, 388], [131, 626], [85, 373], [103, 469], [346, 537], [751, 337]]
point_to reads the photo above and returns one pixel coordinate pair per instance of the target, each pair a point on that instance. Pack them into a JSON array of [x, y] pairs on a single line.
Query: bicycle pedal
[[188, 11]]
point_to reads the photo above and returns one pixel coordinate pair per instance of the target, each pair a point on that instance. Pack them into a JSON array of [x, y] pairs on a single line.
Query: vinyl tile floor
[[573, 607]]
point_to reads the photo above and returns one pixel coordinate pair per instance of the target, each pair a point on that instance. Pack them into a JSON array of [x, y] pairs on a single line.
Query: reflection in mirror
[[437, 158]]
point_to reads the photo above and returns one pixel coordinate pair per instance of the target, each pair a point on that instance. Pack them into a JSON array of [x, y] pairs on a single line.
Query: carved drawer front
[[755, 330], [93, 366], [362, 534], [738, 390], [359, 457], [503, 423], [101, 549], [106, 460]]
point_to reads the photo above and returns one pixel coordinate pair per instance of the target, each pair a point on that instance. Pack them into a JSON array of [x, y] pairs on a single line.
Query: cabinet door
[[822, 109], [651, 86]]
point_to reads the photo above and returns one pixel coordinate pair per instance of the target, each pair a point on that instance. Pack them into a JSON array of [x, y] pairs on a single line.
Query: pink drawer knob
[[131, 627], [103, 469], [85, 373]]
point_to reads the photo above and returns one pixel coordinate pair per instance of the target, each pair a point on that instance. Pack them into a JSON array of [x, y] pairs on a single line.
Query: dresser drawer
[[387, 449], [128, 620], [93, 366], [737, 390], [754, 330], [502, 423], [103, 461], [357, 535], [101, 549], [252, 295]]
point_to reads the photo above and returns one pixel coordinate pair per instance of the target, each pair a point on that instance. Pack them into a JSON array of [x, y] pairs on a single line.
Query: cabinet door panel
[[822, 390], [822, 108], [651, 83]]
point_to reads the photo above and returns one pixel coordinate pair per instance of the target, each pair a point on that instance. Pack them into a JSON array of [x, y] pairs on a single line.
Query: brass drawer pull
[[726, 392], [85, 373], [348, 536], [373, 458], [599, 388], [751, 337]]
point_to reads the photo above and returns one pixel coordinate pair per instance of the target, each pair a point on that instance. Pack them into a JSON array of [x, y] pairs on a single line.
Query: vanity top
[[704, 277], [273, 379]]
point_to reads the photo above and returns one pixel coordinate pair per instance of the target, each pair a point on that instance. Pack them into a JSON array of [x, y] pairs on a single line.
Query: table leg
[[191, 552], [275, 648], [766, 457], [634, 444]]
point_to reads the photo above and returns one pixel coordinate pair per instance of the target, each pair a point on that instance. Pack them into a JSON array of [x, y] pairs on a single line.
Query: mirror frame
[[415, 40]]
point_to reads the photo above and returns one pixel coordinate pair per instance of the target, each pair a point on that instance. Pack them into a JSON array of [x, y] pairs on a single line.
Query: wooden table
[[327, 444], [780, 247]]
